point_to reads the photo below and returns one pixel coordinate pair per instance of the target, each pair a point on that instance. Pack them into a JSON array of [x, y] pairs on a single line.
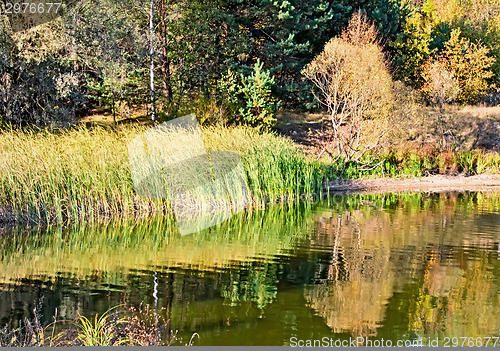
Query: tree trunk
[[151, 56], [113, 107], [165, 61]]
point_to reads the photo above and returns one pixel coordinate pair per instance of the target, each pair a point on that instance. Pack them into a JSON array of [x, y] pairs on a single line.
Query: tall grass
[[277, 171], [84, 174], [77, 174]]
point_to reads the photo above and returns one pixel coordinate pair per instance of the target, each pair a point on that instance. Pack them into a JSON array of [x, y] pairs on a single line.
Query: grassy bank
[[84, 174], [424, 162], [426, 141]]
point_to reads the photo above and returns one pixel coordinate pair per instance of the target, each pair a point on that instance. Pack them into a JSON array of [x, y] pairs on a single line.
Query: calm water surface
[[380, 266]]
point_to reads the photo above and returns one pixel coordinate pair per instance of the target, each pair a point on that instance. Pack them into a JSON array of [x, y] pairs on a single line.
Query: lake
[[398, 267]]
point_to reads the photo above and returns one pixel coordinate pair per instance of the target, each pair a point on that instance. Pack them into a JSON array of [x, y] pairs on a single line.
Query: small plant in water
[[102, 331], [141, 326]]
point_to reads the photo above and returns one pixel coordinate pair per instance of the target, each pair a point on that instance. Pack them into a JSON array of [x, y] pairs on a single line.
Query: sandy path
[[437, 183]]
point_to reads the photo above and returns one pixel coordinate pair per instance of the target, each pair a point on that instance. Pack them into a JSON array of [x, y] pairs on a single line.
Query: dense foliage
[[97, 54], [461, 37]]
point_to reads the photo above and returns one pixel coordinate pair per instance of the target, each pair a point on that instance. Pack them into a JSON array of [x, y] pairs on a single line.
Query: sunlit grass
[[84, 174], [74, 174]]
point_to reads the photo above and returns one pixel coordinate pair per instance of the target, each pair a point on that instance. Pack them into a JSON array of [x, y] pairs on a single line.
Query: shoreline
[[430, 184], [433, 183]]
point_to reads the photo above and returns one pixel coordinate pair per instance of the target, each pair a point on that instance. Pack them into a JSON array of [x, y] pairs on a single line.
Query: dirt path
[[438, 183]]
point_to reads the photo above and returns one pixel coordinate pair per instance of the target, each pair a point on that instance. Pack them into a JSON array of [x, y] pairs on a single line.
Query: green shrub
[[467, 161], [412, 48], [248, 98], [227, 93], [259, 105]]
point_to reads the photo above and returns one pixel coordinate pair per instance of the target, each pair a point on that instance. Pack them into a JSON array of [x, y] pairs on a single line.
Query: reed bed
[[84, 174]]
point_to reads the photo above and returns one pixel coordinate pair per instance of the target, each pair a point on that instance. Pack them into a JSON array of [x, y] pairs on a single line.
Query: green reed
[[84, 174]]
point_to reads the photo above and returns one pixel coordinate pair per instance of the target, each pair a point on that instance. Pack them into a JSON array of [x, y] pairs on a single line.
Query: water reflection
[[382, 266], [443, 251]]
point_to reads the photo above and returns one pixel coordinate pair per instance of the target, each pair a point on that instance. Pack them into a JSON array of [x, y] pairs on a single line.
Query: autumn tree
[[470, 65], [353, 83], [463, 35], [441, 86]]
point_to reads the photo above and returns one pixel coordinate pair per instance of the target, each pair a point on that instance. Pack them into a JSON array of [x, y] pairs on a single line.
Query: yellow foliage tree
[[470, 65], [353, 83]]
